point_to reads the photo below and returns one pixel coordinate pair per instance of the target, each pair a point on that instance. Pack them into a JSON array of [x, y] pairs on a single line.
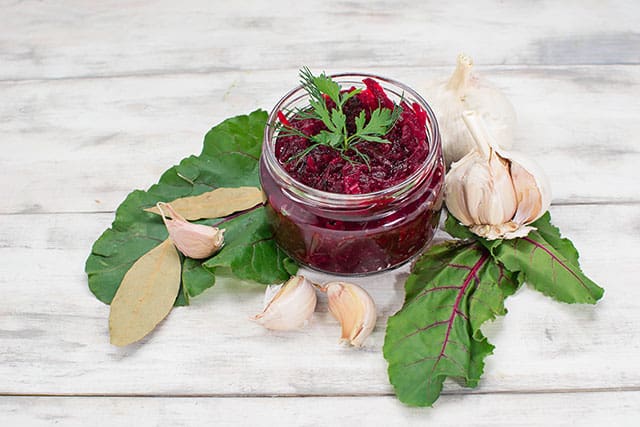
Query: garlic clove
[[474, 200], [196, 241], [532, 186], [528, 193], [455, 190], [354, 308], [288, 306], [489, 191]]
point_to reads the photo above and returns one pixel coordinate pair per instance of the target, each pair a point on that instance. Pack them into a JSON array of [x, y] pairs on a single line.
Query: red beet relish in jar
[[334, 211], [327, 169]]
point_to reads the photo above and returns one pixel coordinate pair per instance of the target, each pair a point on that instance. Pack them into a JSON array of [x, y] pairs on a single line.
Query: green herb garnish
[[336, 136]]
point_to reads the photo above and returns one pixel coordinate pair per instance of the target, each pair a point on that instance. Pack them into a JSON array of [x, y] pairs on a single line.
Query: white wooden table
[[98, 98]]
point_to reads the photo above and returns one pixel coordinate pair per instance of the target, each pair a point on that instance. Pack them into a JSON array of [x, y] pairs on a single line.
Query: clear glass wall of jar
[[352, 234]]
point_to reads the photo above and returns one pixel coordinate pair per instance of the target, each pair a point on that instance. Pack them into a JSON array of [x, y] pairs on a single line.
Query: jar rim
[[322, 196]]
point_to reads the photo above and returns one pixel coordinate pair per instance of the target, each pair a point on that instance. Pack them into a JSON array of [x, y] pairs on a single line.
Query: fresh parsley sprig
[[336, 136]]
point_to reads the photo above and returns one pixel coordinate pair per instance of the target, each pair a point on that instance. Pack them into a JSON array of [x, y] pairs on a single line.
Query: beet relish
[[327, 169], [346, 216]]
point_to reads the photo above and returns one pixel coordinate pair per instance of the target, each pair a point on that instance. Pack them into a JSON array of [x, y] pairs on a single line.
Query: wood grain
[[99, 98], [80, 39], [83, 145], [586, 409], [54, 336]]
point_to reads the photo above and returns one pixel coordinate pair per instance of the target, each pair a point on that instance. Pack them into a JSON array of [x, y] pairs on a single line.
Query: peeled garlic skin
[[291, 307], [354, 308], [464, 90]]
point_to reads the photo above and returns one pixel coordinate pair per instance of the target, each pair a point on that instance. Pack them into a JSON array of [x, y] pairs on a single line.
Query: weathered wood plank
[[82, 145], [100, 98], [54, 336], [80, 39], [586, 409]]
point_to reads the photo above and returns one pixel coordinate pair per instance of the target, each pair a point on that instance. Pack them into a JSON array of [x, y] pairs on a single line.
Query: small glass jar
[[353, 234]]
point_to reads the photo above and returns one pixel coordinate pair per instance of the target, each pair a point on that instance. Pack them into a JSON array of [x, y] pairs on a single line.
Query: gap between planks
[[205, 71], [559, 203], [633, 389]]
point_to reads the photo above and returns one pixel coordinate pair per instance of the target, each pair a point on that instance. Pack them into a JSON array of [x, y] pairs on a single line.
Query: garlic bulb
[[289, 305], [493, 192], [466, 91], [193, 240], [354, 308]]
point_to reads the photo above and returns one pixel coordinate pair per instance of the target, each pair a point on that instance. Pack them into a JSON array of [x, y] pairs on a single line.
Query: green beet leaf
[[480, 348], [548, 231], [453, 289], [544, 259], [229, 159], [195, 278], [457, 230], [249, 251], [547, 269], [551, 234]]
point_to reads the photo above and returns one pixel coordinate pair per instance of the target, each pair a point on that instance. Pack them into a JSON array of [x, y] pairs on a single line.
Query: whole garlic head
[[288, 306], [465, 90], [493, 192], [354, 308]]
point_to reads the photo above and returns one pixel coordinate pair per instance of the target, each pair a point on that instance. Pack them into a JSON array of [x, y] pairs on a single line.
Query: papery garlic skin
[[288, 306], [493, 192], [195, 241], [354, 308], [465, 90], [528, 176]]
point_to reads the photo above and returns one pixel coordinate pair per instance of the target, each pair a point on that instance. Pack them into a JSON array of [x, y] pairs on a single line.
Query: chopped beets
[[354, 179], [287, 147], [330, 104], [311, 164], [351, 109], [368, 99], [378, 93], [326, 169], [422, 115]]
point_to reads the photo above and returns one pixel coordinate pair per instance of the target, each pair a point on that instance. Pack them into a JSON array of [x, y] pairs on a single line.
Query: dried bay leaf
[[146, 294], [216, 204]]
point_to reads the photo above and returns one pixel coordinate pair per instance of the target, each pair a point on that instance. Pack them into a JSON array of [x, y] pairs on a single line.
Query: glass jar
[[352, 234]]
